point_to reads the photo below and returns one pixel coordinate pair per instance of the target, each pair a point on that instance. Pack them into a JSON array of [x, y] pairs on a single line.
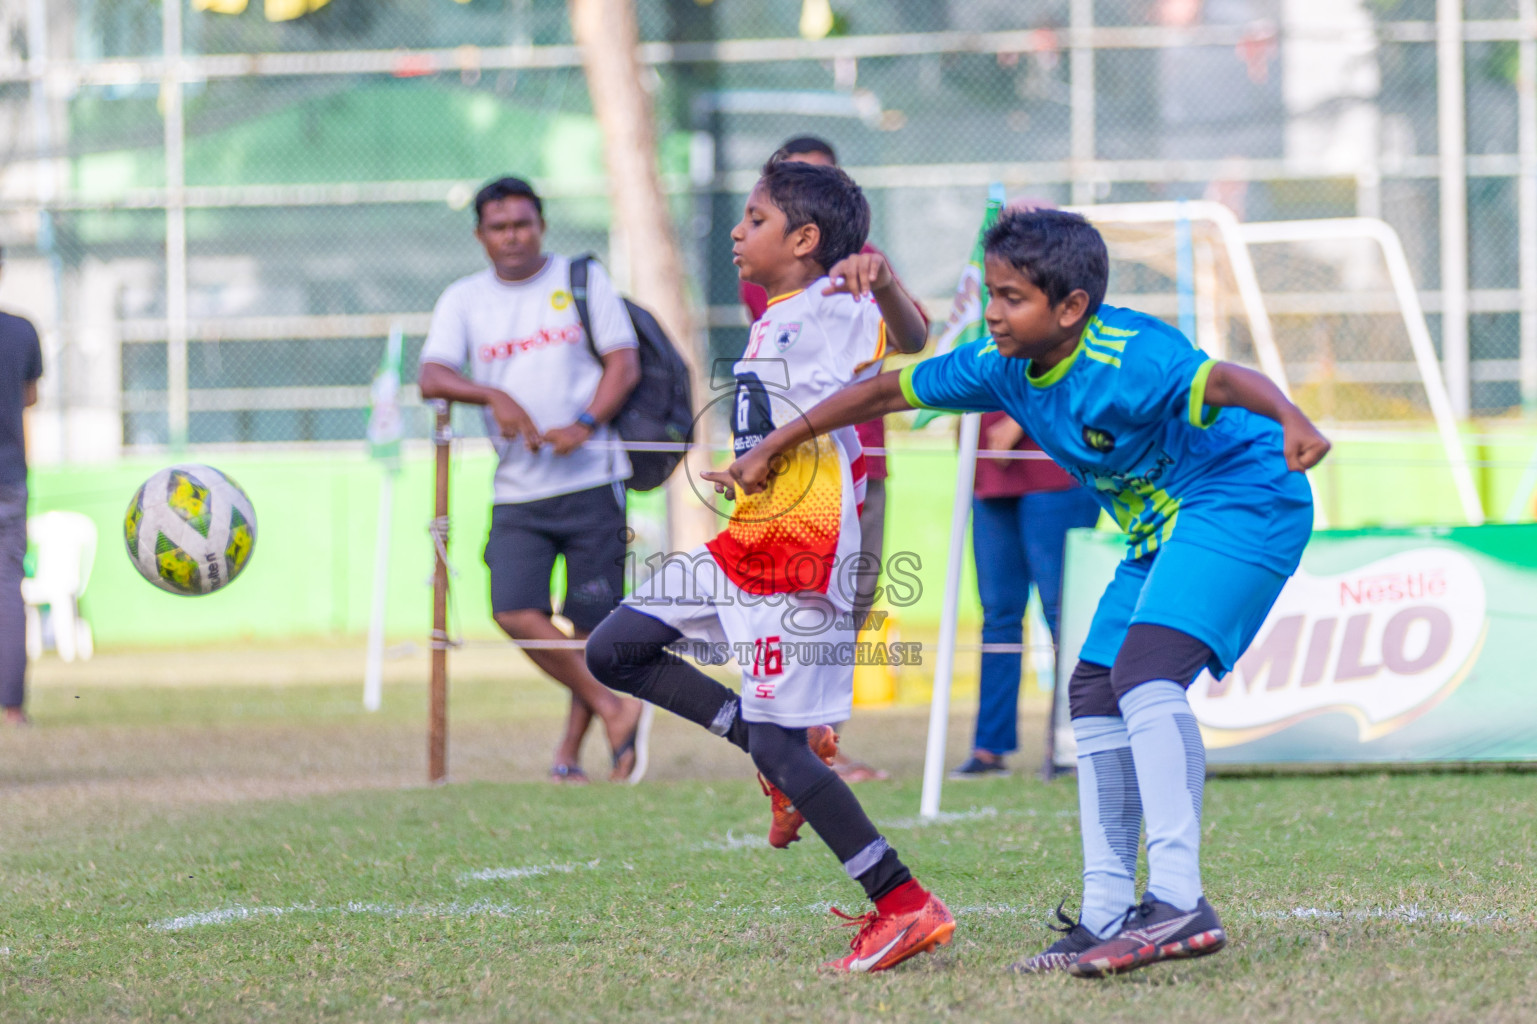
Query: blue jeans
[[1017, 542]]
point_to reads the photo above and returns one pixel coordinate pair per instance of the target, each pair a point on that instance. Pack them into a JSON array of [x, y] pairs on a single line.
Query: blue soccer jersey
[[1124, 413]]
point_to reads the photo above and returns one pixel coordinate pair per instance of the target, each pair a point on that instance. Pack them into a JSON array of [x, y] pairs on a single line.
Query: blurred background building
[[215, 212]]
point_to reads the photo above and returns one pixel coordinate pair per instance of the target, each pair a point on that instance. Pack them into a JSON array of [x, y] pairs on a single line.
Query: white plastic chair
[[66, 550]]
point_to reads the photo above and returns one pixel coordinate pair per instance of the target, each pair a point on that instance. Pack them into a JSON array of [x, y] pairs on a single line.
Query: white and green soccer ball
[[190, 530]]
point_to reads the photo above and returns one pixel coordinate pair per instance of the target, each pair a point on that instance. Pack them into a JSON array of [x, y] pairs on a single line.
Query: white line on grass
[[750, 841], [996, 910], [455, 908], [825, 906], [1410, 914], [948, 817], [503, 874], [755, 841], [776, 910], [222, 916]]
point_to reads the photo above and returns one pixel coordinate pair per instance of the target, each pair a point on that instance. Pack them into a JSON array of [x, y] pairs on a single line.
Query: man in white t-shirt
[[509, 339]]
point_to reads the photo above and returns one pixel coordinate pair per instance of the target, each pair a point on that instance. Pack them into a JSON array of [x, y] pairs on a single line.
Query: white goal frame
[[1387, 240], [1205, 211]]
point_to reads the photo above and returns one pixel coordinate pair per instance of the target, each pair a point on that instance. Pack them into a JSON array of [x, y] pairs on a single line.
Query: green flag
[[385, 424], [965, 324]]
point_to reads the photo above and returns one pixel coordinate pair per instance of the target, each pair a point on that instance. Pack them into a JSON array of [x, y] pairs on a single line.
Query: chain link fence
[[320, 170]]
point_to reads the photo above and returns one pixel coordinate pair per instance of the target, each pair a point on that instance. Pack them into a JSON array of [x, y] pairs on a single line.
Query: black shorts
[[587, 527]]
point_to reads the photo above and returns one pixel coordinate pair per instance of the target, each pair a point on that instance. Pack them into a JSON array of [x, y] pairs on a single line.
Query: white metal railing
[[130, 71], [1013, 174], [320, 326]]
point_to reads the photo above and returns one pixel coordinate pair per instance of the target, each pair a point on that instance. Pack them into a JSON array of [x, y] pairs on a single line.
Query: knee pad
[[1089, 693], [1156, 652]]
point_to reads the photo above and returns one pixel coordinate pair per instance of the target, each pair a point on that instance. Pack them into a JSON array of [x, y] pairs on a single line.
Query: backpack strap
[[579, 268]]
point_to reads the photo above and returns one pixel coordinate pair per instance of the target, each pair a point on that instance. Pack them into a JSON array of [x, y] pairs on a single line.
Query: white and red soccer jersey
[[796, 534], [774, 590]]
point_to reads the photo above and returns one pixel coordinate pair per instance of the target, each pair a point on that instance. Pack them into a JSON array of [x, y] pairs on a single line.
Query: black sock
[[628, 652], [829, 806]]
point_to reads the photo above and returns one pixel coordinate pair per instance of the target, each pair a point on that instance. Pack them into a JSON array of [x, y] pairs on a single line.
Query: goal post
[[1327, 244], [1327, 309], [1221, 276]]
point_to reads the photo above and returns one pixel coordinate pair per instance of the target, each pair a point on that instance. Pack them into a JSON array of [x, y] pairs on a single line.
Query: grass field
[[248, 845]]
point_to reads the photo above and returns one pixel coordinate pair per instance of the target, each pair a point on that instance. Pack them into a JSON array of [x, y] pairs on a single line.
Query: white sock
[[1110, 818], [1171, 777]]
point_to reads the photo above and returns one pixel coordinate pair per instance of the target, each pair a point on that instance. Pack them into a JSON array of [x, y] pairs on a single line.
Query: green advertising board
[[1387, 646]]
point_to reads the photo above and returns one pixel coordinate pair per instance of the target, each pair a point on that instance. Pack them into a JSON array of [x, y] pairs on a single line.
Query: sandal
[[638, 743], [571, 773], [858, 771]]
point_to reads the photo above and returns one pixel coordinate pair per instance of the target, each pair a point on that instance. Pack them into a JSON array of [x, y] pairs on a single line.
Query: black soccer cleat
[[1075, 939], [1153, 931]]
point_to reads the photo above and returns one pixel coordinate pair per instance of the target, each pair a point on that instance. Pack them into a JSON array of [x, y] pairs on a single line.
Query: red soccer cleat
[[787, 821], [885, 940]]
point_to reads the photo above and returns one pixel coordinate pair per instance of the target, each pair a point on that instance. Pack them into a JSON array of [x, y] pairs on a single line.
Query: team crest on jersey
[[786, 334], [560, 299], [1099, 440]]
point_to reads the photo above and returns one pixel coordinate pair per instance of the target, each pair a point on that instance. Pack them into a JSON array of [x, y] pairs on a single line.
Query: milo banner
[[1386, 646]]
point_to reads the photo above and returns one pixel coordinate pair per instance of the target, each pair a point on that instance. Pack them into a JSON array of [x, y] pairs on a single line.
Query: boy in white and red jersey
[[775, 590]]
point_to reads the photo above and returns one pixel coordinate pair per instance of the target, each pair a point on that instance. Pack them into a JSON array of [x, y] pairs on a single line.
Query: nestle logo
[[1406, 631], [1391, 587], [543, 338]]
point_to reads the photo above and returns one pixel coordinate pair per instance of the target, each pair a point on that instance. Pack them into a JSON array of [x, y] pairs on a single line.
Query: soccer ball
[[190, 530]]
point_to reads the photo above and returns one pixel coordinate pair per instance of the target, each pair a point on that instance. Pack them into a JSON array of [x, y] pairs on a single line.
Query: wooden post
[[437, 694]]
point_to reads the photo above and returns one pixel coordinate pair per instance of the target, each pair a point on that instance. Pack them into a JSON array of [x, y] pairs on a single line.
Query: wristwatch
[[586, 420]]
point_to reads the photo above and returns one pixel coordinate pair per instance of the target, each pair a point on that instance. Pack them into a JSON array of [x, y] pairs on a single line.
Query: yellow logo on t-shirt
[[560, 299]]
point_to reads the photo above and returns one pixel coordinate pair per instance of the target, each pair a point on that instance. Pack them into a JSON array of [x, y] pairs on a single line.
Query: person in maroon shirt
[[872, 519], [1021, 511]]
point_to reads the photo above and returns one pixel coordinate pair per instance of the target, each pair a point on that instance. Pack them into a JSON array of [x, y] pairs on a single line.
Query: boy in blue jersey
[[1201, 463]]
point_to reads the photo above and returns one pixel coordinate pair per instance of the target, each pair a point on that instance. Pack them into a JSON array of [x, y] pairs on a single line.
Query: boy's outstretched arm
[[868, 273], [1235, 386], [854, 404]]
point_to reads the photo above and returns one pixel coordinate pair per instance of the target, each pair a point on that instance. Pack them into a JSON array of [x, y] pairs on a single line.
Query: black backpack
[[661, 407]]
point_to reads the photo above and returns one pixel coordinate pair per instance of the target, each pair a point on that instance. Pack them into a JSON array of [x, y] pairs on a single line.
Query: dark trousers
[[1017, 542], [13, 620]]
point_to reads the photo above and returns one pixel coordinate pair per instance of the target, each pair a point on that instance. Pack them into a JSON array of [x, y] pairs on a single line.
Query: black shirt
[[21, 363]]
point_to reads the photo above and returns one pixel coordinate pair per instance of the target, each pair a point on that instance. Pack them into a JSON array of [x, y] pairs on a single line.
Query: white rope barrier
[[578, 645], [1034, 455], [437, 529], [679, 446]]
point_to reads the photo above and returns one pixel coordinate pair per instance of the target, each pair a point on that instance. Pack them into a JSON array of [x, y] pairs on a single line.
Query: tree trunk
[[608, 36]]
